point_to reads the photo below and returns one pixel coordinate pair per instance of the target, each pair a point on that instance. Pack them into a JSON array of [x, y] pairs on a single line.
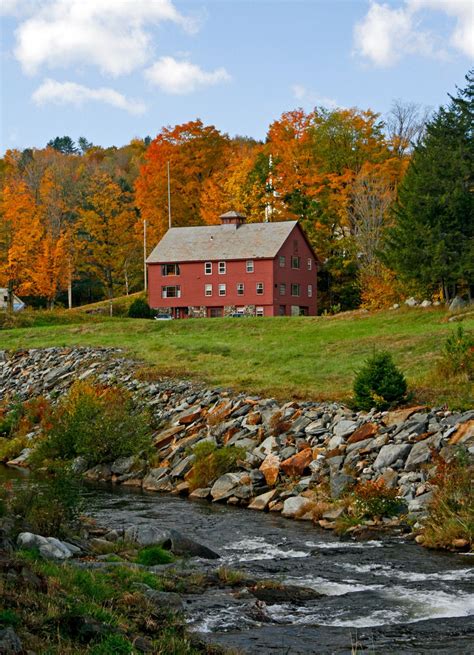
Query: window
[[295, 262], [259, 311], [310, 263], [282, 310], [222, 289], [221, 268], [282, 260], [295, 289], [208, 268], [171, 292], [310, 290], [249, 266], [259, 287], [169, 269], [282, 289], [240, 289], [208, 289]]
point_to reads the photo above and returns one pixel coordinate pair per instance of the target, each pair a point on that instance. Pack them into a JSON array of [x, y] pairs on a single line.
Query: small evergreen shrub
[[210, 462], [379, 383], [374, 499], [457, 358], [99, 423], [140, 309]]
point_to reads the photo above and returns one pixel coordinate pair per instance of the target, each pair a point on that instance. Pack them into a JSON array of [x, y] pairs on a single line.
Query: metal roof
[[221, 242]]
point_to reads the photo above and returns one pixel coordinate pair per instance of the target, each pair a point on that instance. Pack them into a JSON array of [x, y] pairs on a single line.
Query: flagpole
[[169, 196]]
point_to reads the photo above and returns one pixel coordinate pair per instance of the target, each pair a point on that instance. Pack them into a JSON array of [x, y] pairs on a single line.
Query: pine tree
[[432, 243]]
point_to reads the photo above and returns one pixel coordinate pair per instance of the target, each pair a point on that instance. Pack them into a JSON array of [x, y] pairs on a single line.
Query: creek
[[382, 596]]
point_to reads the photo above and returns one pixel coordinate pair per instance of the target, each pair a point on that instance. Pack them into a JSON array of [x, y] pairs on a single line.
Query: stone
[[224, 486], [339, 482], [146, 535], [460, 544], [390, 477], [364, 432], [400, 415], [79, 465], [122, 465], [296, 505], [48, 547], [190, 417], [315, 428], [22, 458], [456, 303], [154, 479], [203, 492], [344, 428], [426, 303], [334, 443], [360, 445], [99, 473], [261, 502], [464, 432], [165, 437], [390, 453], [10, 643], [411, 302], [420, 503], [297, 464], [333, 514], [162, 599], [419, 454], [266, 447], [181, 545]]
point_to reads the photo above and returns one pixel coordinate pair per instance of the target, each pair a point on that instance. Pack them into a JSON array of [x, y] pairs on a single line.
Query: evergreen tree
[[63, 144], [432, 243]]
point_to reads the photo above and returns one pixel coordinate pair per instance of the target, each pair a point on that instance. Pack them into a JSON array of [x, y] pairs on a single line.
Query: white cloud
[[110, 34], [70, 93], [303, 95], [181, 77], [386, 34]]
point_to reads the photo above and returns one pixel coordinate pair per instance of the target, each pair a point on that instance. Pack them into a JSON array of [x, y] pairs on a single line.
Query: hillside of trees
[[386, 201]]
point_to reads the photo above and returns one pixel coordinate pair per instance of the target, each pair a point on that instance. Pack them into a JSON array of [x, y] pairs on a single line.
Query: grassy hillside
[[285, 357]]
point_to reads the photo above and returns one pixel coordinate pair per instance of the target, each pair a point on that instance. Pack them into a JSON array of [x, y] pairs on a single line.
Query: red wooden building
[[256, 269]]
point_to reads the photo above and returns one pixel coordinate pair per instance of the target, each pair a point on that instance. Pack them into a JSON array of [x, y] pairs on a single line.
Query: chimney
[[232, 218]]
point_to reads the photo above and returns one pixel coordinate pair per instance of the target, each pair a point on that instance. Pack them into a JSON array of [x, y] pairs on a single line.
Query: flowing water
[[383, 596]]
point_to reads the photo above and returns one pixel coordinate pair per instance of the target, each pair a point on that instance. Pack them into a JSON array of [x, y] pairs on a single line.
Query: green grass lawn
[[313, 358]]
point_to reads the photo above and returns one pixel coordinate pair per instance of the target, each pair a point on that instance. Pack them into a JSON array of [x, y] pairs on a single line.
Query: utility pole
[[145, 285], [169, 196]]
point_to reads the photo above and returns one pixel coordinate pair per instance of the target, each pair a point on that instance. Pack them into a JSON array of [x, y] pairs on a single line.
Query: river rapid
[[382, 596]]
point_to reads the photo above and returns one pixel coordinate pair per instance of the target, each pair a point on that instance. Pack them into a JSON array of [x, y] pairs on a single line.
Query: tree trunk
[[10, 297]]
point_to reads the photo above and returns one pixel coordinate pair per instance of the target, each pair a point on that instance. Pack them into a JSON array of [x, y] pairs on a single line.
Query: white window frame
[[259, 311], [310, 290], [240, 288], [249, 266], [222, 289], [310, 264], [221, 268], [164, 292], [298, 287], [208, 290], [282, 289], [207, 268], [282, 261], [259, 288]]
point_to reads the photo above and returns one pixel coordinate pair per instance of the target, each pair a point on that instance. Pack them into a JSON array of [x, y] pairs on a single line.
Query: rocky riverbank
[[290, 451]]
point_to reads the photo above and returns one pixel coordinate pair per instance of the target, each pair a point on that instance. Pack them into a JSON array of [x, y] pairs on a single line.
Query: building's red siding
[[192, 281]]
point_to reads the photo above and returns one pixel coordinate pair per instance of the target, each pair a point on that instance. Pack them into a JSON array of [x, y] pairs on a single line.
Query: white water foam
[[411, 576], [330, 588], [344, 544], [220, 620], [256, 548]]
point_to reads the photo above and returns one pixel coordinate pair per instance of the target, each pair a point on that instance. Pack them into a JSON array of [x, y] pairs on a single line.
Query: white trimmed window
[[249, 266], [310, 290], [208, 268], [310, 263], [282, 289], [295, 290], [240, 288], [282, 260], [259, 311], [259, 288], [208, 289], [295, 262], [171, 292], [222, 289], [221, 268], [169, 269]]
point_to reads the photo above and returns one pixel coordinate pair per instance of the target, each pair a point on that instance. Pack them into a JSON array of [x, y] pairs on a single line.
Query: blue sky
[[111, 70]]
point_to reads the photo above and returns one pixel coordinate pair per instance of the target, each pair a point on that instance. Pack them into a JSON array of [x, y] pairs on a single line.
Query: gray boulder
[[389, 454], [456, 303], [295, 505], [420, 454], [48, 547], [147, 535], [225, 486], [10, 643], [339, 482], [344, 428], [178, 544], [122, 465]]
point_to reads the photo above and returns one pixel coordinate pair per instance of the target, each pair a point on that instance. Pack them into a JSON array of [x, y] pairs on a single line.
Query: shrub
[[379, 383], [140, 309], [451, 511], [374, 499], [457, 359], [153, 555], [99, 423], [210, 462]]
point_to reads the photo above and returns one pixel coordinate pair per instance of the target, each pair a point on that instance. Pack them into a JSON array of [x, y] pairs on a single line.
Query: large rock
[[261, 502], [419, 454], [344, 428], [48, 547], [122, 465], [339, 482], [295, 466], [389, 454], [364, 432], [153, 481], [184, 546], [147, 535], [225, 486], [270, 468], [456, 303], [296, 506]]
